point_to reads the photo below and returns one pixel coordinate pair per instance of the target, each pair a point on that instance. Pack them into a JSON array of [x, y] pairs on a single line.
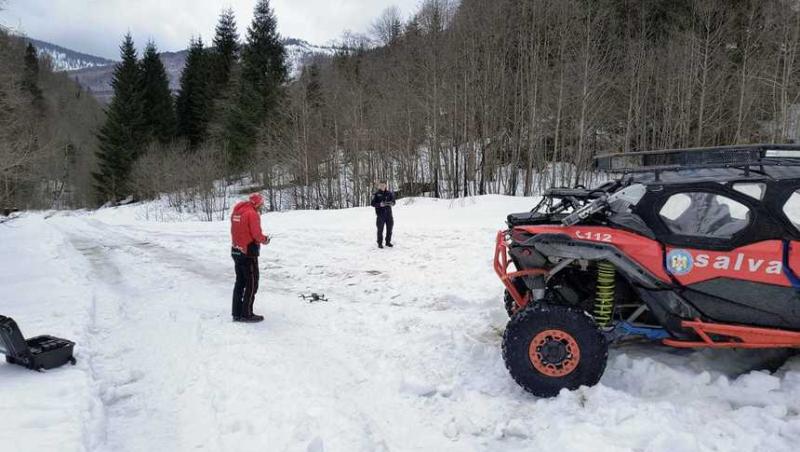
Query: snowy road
[[405, 356]]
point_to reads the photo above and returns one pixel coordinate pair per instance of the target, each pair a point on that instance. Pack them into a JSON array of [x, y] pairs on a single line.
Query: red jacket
[[246, 232]]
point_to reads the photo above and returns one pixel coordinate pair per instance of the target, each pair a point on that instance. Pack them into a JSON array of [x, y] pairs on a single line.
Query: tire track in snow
[[289, 361], [104, 318], [120, 337], [102, 248]]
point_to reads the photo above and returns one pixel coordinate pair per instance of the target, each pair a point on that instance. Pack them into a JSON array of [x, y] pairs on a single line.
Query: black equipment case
[[37, 353]]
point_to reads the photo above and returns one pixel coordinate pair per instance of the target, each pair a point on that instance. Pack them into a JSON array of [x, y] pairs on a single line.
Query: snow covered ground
[[405, 356]]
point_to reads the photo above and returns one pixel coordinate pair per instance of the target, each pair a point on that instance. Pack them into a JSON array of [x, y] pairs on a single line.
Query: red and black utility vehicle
[[689, 247]]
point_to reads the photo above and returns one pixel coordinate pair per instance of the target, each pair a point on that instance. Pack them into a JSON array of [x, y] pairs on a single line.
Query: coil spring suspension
[[604, 298]]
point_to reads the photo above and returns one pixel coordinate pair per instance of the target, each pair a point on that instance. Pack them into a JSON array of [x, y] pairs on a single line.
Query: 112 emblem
[[595, 236]]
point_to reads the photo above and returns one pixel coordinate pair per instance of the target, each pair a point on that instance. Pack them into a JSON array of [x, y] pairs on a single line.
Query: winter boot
[[251, 319], [389, 244], [380, 245]]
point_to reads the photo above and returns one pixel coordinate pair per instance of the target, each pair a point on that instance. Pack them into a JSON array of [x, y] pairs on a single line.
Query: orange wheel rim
[[554, 353]]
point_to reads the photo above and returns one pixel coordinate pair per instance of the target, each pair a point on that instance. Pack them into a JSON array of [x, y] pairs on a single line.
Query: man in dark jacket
[[246, 238], [382, 201]]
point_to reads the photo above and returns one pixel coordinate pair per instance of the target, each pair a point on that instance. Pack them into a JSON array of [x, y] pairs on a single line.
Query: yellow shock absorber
[[604, 298]]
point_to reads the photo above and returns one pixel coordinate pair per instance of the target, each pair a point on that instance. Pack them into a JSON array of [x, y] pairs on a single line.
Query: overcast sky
[[97, 26]]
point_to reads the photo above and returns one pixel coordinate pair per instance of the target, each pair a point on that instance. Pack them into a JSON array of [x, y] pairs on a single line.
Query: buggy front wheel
[[547, 348], [511, 305]]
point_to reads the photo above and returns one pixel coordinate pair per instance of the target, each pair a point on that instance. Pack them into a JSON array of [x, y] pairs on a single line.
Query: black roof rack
[[744, 157]]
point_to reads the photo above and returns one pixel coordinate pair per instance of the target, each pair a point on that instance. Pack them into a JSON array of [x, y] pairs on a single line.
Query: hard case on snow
[[37, 353]]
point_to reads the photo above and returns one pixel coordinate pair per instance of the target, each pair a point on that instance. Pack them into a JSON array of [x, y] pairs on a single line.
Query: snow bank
[[405, 356], [44, 288]]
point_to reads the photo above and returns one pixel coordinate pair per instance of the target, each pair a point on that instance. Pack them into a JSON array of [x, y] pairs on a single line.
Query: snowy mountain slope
[[299, 51], [405, 356], [98, 78], [66, 59]]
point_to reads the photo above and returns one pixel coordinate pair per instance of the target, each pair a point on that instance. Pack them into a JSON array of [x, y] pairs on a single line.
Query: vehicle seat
[[707, 216]]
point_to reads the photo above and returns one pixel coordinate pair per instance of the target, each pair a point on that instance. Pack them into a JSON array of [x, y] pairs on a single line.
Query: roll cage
[[713, 170]]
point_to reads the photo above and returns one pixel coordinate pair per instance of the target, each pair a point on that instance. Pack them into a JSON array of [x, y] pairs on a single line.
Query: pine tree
[[121, 137], [225, 83], [263, 73], [157, 99], [264, 58], [226, 49], [31, 76], [193, 104]]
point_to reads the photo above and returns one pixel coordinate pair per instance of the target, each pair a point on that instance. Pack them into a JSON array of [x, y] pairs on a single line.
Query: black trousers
[[388, 222], [244, 291]]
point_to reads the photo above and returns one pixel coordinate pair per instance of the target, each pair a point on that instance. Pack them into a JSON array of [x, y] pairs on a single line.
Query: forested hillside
[[460, 98], [47, 132], [477, 97]]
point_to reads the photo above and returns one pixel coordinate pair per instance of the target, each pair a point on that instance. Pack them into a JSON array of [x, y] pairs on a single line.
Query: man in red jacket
[[246, 237]]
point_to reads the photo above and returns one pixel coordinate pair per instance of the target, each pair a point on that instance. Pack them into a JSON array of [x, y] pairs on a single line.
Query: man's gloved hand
[[266, 240]]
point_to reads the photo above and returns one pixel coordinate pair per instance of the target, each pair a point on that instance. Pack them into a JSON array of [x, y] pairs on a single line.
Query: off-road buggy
[[689, 247]]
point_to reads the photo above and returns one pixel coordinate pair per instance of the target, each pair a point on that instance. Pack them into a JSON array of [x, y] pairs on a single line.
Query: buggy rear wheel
[[547, 348]]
